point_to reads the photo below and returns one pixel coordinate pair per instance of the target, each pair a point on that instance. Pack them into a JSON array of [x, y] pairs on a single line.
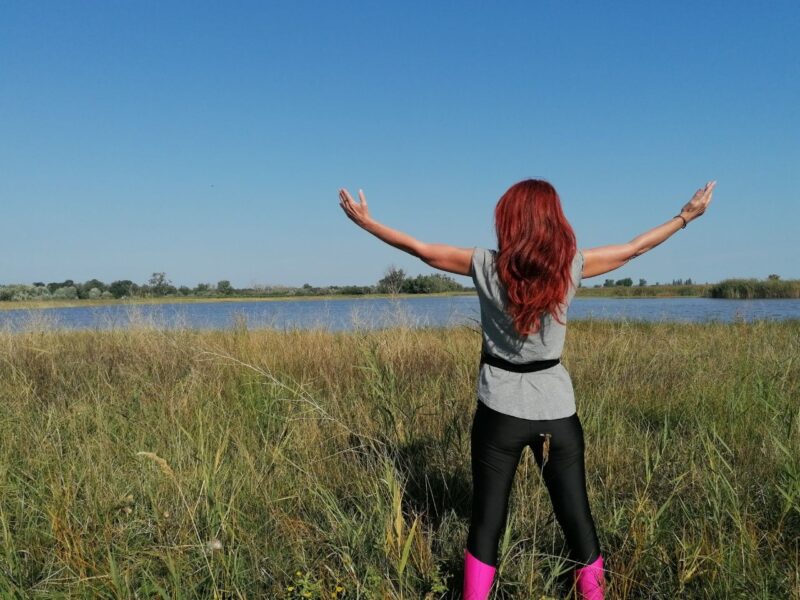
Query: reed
[[746, 289], [314, 464], [698, 290]]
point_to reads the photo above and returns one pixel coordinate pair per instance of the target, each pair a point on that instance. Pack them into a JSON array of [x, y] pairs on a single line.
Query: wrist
[[683, 220]]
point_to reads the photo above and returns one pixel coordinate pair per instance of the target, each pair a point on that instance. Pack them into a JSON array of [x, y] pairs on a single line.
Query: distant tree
[[689, 281], [771, 277], [429, 284], [94, 293], [38, 284], [224, 287], [202, 288], [608, 283], [95, 283], [642, 282], [307, 286], [159, 284], [627, 282], [67, 292], [392, 281], [184, 290], [121, 288], [85, 288], [52, 287], [355, 289]]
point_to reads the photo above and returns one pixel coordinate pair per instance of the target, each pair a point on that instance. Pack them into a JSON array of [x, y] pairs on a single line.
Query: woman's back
[[545, 394]]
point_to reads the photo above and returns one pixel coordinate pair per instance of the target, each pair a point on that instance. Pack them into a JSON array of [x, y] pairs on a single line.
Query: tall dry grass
[[309, 464]]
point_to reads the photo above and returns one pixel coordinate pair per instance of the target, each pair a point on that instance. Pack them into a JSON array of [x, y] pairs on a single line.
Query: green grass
[[699, 290], [181, 464]]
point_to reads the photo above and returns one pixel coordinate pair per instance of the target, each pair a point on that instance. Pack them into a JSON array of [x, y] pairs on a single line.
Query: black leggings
[[497, 443]]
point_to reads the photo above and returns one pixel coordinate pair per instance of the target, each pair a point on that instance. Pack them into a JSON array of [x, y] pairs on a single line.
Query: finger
[[363, 198]]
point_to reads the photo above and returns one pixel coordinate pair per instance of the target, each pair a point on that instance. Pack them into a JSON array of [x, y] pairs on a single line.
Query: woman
[[525, 396]]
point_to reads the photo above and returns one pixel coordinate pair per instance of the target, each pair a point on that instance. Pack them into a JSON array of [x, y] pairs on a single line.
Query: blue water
[[347, 314]]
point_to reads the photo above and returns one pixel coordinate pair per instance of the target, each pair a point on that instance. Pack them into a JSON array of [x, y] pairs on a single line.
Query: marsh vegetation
[[312, 464]]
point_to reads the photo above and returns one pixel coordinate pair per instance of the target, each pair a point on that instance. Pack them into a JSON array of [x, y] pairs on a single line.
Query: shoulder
[[482, 257]]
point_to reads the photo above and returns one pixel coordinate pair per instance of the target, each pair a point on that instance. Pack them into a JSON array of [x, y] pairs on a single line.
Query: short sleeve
[[578, 274], [476, 264]]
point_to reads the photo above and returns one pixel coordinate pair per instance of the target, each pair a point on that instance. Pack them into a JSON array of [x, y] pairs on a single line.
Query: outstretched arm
[[440, 256], [607, 258]]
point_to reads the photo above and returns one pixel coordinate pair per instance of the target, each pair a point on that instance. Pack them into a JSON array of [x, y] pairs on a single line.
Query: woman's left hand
[[357, 212]]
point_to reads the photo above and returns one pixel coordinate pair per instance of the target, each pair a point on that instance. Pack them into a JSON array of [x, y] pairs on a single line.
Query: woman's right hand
[[699, 202]]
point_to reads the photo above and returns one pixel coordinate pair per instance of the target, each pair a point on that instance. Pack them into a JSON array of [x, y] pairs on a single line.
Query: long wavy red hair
[[535, 249]]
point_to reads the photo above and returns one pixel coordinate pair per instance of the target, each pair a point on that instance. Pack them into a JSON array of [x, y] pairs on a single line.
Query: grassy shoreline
[[749, 289], [28, 304], [244, 463]]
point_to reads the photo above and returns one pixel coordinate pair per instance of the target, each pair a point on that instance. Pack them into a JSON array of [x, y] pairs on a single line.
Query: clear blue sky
[[208, 140]]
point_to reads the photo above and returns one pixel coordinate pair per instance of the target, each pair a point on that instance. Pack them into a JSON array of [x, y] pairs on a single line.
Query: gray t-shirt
[[545, 394]]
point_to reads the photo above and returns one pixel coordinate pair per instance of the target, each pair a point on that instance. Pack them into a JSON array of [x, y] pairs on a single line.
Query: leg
[[497, 441], [565, 477]]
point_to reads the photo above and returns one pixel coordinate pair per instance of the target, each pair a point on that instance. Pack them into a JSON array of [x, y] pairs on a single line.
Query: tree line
[[159, 286], [628, 282], [394, 281]]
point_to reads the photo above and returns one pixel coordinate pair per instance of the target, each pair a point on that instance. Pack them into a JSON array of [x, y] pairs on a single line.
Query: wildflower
[[339, 588], [289, 588], [214, 544], [299, 573]]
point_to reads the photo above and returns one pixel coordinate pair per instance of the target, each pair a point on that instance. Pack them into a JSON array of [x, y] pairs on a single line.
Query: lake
[[347, 314]]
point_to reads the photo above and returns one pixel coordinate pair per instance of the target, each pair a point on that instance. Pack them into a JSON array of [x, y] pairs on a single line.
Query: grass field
[[182, 464]]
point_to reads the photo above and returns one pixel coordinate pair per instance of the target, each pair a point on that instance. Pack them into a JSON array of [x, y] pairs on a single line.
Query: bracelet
[[682, 218]]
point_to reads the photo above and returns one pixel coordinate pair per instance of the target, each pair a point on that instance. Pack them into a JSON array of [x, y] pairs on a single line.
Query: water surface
[[347, 314]]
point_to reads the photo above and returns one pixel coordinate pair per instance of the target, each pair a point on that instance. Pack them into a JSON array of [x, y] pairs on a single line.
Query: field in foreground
[[310, 464]]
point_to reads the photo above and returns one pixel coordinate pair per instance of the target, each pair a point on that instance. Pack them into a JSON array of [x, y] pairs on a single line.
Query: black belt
[[528, 367]]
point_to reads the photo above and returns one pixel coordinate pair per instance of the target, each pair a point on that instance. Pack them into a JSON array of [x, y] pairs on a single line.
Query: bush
[[69, 292]]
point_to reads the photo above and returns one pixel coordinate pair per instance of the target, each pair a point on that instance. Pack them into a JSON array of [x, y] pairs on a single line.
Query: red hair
[[535, 249]]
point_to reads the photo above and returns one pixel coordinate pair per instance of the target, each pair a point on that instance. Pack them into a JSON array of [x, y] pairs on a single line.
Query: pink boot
[[590, 581], [478, 577]]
